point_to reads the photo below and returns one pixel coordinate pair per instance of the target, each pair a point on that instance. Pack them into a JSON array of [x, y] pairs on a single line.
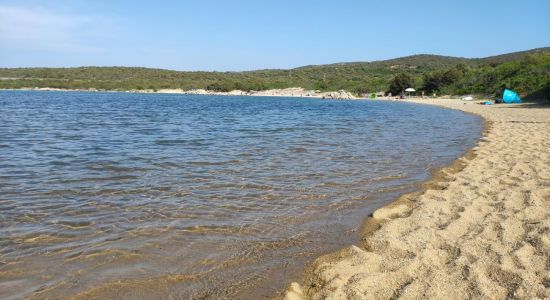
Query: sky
[[236, 35]]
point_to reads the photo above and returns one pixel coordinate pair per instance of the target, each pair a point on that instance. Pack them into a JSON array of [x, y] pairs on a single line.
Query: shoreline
[[292, 92], [296, 92], [432, 243], [429, 231]]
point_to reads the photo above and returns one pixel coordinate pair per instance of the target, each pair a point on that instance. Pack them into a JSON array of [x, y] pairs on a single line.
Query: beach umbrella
[[410, 90]]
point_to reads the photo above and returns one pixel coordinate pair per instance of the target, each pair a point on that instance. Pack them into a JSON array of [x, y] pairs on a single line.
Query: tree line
[[526, 72], [529, 76]]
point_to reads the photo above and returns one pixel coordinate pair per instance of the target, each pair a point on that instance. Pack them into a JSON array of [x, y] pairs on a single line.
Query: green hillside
[[527, 72]]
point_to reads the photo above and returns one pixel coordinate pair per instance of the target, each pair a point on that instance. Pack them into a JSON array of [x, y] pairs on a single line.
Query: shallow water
[[116, 195]]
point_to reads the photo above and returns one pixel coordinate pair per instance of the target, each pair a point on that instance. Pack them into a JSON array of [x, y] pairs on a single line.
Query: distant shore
[[479, 229], [287, 92], [297, 92]]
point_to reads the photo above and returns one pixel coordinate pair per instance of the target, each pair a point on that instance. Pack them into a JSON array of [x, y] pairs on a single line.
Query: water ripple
[[101, 191]]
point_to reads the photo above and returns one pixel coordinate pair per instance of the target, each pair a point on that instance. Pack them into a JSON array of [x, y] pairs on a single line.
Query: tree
[[437, 80], [320, 85], [400, 82]]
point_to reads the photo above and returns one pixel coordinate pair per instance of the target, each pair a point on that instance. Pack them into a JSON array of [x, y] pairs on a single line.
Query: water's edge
[[370, 225], [279, 273]]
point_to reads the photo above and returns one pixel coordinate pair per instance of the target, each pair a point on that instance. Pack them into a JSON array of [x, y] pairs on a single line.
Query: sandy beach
[[479, 229]]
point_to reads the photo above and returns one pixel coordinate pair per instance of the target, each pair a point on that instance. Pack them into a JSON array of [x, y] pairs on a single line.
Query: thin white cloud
[[43, 29]]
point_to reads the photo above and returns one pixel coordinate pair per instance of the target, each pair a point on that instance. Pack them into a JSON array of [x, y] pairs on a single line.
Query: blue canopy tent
[[509, 96]]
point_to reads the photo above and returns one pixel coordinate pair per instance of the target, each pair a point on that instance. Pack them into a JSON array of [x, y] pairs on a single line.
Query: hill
[[526, 71], [503, 58]]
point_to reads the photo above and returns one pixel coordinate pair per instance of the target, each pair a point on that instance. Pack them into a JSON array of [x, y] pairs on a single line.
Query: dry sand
[[479, 229]]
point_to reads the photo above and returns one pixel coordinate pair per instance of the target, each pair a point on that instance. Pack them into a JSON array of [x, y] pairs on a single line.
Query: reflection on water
[[138, 196]]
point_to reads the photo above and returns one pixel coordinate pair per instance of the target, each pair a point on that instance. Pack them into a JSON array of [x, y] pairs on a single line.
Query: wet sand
[[479, 229]]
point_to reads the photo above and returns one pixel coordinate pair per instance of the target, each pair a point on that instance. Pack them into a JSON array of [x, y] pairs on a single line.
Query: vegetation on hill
[[527, 72], [526, 75]]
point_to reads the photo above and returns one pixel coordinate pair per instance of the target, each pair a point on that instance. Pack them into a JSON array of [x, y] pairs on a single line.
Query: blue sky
[[244, 35]]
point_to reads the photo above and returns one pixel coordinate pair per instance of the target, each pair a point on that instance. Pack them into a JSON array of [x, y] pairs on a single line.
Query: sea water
[[120, 195]]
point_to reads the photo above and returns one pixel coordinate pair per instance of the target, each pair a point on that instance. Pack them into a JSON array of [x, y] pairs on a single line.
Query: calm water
[[114, 195]]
